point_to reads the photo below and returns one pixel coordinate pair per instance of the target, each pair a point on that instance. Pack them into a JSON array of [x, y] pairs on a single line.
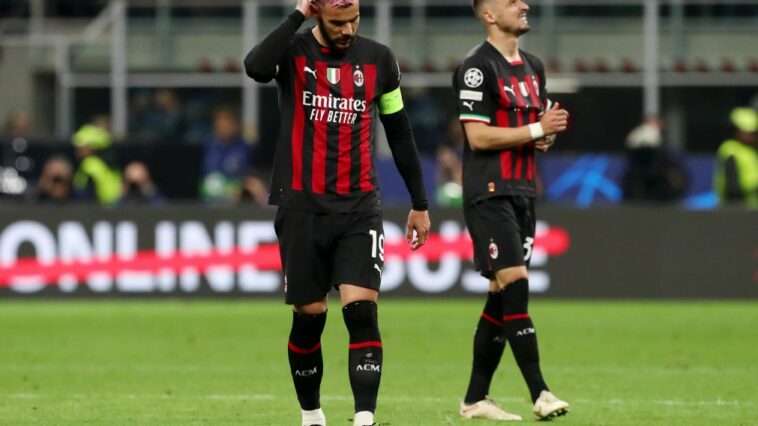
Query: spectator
[[156, 117], [736, 175], [449, 191], [54, 184], [95, 177], [19, 125], [138, 186], [16, 134], [168, 115], [652, 174], [15, 165], [226, 159], [428, 118]]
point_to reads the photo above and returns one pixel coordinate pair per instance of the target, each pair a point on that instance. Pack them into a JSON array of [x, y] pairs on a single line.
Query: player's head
[[508, 16], [745, 122], [337, 21]]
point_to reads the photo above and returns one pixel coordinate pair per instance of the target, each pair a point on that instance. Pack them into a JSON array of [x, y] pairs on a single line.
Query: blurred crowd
[[232, 171], [89, 170]]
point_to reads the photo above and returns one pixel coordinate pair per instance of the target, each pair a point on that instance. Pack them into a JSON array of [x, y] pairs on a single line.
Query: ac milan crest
[[493, 250], [358, 78]]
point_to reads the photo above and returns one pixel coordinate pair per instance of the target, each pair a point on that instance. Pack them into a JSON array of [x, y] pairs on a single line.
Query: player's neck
[[506, 44], [319, 37]]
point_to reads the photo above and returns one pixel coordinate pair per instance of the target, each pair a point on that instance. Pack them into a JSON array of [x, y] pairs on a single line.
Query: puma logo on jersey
[[470, 105], [378, 269], [310, 71], [509, 89]]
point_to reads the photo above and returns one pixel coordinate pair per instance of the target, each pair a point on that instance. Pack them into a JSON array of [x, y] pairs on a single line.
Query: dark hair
[[476, 4]]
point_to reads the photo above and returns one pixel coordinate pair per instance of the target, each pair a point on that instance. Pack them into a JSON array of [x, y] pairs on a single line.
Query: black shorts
[[502, 230], [323, 250]]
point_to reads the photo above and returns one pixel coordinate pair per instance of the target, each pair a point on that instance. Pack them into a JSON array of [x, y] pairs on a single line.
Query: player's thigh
[[306, 260], [496, 234], [359, 252], [527, 221]]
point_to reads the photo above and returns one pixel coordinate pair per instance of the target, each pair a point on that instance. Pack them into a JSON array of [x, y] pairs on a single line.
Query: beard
[[522, 30], [333, 43]]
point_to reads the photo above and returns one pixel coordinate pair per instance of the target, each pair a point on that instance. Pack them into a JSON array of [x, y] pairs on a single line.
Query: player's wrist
[[421, 206], [536, 131]]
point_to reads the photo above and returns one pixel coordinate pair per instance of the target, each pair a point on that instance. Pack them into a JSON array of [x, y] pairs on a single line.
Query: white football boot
[[363, 418], [486, 409], [548, 406], [313, 417]]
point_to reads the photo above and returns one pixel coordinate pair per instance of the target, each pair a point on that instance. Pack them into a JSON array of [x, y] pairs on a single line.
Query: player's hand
[[543, 144], [418, 228], [306, 7], [555, 120]]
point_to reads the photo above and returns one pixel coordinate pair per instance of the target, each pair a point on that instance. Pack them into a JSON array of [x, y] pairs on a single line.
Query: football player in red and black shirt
[[334, 87], [506, 116]]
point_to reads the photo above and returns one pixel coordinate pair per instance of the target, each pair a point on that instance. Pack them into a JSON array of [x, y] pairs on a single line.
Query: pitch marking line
[[269, 397]]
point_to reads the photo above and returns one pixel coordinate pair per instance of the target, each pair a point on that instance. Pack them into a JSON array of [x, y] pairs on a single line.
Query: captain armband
[[390, 103]]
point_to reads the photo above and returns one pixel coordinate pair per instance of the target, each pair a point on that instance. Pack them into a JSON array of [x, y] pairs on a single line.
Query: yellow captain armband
[[390, 103]]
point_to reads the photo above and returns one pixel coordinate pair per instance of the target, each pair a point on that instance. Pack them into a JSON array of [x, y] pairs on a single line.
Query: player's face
[[510, 16], [339, 26]]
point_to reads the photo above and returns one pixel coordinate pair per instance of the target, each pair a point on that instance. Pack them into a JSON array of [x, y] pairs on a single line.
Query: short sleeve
[[473, 93]]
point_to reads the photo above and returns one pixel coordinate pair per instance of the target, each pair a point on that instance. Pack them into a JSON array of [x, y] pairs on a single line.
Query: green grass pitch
[[210, 363]]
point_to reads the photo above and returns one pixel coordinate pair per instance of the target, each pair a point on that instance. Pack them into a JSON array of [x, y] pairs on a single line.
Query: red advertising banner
[[191, 251]]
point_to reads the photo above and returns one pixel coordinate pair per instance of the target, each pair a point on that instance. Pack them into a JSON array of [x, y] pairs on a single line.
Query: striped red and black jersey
[[494, 91], [329, 114]]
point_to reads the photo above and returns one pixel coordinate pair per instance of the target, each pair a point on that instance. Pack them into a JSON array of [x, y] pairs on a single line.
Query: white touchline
[[395, 398]]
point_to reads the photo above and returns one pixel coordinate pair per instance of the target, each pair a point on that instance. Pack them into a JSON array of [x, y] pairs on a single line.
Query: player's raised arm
[[261, 62]]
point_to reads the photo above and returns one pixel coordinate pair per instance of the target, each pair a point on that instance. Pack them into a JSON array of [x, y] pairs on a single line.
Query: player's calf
[[365, 356], [521, 334], [306, 361]]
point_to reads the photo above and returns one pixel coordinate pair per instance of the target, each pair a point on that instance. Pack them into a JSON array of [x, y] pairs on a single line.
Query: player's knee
[[352, 293], [507, 276], [361, 320], [314, 308], [516, 297]]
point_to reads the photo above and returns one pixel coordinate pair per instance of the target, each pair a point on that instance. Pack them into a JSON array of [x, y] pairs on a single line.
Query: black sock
[[489, 344], [365, 356], [306, 362], [519, 330]]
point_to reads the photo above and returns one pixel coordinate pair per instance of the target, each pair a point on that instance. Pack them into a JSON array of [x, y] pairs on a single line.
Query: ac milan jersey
[[329, 113], [496, 92]]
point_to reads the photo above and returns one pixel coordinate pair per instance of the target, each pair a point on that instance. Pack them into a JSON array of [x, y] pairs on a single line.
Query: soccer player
[[505, 115], [333, 85]]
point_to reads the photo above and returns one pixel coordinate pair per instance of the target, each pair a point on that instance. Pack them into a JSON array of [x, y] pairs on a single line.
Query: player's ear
[[488, 17], [314, 7]]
